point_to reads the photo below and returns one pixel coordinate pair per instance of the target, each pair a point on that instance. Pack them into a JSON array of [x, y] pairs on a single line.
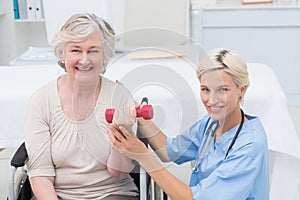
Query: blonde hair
[[228, 60], [78, 28]]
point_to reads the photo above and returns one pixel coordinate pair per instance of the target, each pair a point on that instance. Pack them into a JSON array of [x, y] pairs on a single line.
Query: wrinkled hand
[[124, 117]]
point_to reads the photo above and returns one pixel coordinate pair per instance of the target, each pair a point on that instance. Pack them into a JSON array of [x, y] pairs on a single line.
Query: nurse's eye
[[223, 89]]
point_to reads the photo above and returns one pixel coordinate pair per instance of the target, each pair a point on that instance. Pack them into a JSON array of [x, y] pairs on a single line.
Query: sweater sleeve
[[37, 134]]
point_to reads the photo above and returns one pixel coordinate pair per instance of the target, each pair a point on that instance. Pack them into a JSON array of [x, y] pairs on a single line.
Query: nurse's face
[[220, 95], [84, 60]]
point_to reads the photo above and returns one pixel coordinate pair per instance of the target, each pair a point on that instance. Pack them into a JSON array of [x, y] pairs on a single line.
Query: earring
[[62, 64]]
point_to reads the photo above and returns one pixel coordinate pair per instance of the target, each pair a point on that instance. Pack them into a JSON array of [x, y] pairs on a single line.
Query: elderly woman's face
[[84, 60]]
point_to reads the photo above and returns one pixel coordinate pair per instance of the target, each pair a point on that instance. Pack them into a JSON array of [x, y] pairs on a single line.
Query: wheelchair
[[19, 186]]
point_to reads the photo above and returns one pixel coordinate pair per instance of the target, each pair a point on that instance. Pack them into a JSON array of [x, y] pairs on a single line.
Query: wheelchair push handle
[[145, 111]]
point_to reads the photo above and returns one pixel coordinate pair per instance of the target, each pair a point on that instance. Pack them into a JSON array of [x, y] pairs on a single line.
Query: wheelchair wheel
[[22, 188], [20, 178]]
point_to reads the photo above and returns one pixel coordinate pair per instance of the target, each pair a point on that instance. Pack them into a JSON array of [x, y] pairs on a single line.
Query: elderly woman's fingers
[[125, 132], [125, 116]]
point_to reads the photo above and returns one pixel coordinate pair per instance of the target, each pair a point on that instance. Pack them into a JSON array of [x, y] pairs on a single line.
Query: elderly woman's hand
[[124, 117]]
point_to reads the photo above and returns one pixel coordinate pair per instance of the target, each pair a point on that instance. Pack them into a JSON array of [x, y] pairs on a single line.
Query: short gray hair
[[229, 60], [78, 28]]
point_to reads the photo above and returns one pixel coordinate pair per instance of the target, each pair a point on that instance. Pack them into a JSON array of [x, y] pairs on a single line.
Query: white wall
[[263, 34]]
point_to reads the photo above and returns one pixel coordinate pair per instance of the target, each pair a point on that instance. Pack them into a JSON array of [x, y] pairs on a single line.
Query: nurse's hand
[[132, 147], [127, 142]]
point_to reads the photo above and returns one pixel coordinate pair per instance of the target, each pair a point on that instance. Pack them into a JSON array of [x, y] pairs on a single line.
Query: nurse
[[229, 148]]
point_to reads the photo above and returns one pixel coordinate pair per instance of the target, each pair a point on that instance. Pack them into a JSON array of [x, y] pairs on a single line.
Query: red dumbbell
[[146, 111]]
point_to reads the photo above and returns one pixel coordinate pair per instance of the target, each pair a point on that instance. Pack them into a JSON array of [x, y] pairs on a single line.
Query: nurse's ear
[[243, 90]]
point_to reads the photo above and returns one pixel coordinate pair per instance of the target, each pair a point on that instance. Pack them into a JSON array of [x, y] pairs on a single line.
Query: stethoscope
[[209, 138]]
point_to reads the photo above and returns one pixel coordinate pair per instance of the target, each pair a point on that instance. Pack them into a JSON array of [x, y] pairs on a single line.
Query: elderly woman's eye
[[93, 51], [205, 89]]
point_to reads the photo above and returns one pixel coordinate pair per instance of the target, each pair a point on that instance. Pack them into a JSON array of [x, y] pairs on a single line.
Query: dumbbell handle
[[145, 111]]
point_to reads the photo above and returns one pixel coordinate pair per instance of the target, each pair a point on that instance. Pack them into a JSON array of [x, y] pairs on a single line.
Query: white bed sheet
[[266, 99], [17, 84]]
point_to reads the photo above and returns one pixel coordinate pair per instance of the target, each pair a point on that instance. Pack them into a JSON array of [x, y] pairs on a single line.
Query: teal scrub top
[[243, 174]]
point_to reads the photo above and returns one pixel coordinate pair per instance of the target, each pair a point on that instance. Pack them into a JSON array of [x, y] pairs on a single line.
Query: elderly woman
[[229, 148], [69, 152]]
